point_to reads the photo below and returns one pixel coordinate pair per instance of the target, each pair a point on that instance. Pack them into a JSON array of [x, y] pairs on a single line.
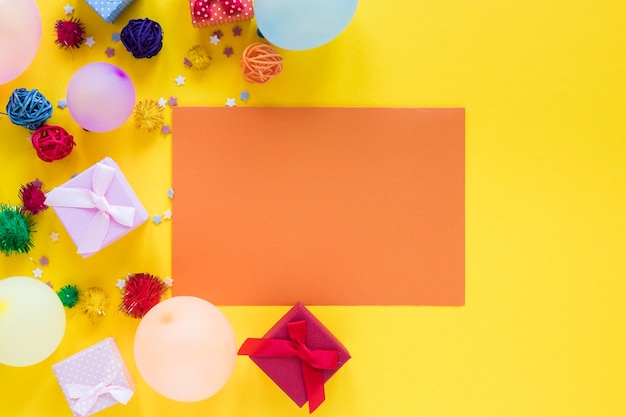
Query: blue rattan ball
[[28, 108]]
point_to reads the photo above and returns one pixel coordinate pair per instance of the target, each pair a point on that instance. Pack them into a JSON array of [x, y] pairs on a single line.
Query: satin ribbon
[[202, 8], [87, 395], [313, 360], [85, 198]]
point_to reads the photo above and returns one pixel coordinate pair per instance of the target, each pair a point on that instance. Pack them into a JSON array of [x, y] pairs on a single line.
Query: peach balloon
[[20, 36], [185, 349]]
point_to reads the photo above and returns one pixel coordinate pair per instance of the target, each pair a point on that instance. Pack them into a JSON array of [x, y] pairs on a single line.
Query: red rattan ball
[[52, 143]]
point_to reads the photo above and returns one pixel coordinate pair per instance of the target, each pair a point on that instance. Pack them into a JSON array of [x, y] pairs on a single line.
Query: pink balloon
[[100, 97], [20, 35], [185, 349]]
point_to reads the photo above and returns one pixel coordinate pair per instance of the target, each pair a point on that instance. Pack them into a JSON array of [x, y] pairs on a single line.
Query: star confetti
[[236, 31], [121, 284], [244, 95], [38, 272], [165, 129], [228, 51], [44, 261], [168, 281], [230, 102], [115, 37], [173, 101], [187, 62], [157, 219], [180, 80], [110, 52], [37, 183], [62, 104], [162, 102], [167, 214], [54, 236], [214, 40], [170, 193], [68, 9], [218, 33], [90, 41]]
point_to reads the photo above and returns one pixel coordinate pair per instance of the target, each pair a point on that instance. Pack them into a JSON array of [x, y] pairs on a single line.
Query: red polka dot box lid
[[219, 12]]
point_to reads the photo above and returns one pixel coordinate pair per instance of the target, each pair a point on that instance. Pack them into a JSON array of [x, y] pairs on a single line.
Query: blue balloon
[[303, 24]]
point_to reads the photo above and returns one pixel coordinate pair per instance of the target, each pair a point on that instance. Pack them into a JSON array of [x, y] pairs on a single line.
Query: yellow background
[[543, 84]]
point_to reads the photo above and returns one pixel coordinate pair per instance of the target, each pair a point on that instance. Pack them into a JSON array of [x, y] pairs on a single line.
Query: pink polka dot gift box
[[220, 12], [95, 378]]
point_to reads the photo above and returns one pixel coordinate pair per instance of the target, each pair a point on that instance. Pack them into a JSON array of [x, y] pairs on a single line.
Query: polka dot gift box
[[109, 10], [95, 378], [219, 12]]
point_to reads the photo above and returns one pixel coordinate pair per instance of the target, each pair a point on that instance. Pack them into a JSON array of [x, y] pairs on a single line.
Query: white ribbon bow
[[84, 198], [88, 395]]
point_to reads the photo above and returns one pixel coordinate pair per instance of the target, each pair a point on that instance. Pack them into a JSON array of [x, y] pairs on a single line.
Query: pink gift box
[[213, 12], [97, 207], [287, 370], [95, 378]]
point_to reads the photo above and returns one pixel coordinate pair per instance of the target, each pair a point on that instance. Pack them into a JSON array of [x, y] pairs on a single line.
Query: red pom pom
[[70, 33], [141, 293], [52, 143], [33, 198]]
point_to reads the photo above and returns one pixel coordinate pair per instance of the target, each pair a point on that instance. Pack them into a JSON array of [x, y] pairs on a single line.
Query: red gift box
[[219, 12], [299, 354]]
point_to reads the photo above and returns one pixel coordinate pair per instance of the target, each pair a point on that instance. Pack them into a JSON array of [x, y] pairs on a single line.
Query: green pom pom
[[68, 295], [15, 230]]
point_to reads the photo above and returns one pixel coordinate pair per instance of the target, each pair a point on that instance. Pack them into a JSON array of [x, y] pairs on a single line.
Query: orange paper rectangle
[[327, 206]]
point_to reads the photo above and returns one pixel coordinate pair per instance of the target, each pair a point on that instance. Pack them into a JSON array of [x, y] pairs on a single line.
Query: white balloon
[[32, 321]]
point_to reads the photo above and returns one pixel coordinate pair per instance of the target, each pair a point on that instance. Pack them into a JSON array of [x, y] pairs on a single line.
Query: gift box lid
[[109, 10], [78, 217], [287, 372], [94, 378]]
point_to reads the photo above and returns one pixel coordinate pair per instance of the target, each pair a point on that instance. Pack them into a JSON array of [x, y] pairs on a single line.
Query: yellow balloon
[[20, 36], [32, 321], [185, 349]]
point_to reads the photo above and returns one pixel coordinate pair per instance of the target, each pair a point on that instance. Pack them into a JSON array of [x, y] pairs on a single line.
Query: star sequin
[[54, 236], [38, 272], [187, 62], [162, 102], [115, 37], [121, 284], [173, 101], [44, 261], [168, 281], [157, 219], [170, 193], [68, 9], [62, 104], [244, 95], [110, 52], [167, 214], [214, 40], [218, 33], [90, 41], [230, 102], [236, 31], [180, 80], [228, 51], [165, 129]]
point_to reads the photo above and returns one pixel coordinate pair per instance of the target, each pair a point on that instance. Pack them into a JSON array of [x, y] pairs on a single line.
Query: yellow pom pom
[[93, 302], [198, 58], [148, 115]]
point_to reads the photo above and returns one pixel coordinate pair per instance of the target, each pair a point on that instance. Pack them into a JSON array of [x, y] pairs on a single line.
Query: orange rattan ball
[[260, 63], [52, 143]]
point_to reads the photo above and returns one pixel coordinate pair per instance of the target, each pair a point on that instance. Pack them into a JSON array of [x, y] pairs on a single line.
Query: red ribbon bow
[[313, 360], [202, 8]]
